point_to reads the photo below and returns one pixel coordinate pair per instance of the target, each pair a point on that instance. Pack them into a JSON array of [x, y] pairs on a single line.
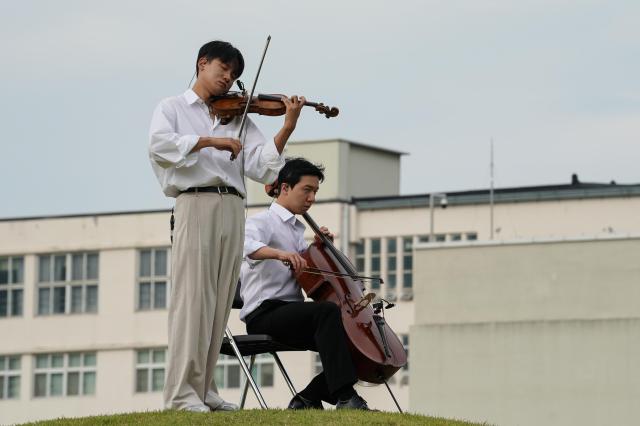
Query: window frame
[[224, 362], [392, 260], [65, 370], [316, 364], [69, 283], [375, 273], [261, 362], [407, 288], [404, 371], [7, 373], [152, 279], [150, 367], [13, 287]]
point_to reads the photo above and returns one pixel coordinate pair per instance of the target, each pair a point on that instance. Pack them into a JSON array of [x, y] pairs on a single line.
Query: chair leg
[[246, 383], [284, 373], [393, 396], [244, 367]]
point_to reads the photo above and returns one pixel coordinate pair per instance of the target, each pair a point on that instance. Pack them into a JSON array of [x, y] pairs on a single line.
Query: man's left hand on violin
[[293, 107], [325, 231]]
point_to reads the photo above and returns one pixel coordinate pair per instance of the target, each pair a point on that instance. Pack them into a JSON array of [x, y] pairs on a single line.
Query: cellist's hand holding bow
[[293, 261]]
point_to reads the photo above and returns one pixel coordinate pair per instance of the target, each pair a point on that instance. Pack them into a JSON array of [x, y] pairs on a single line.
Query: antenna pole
[[491, 193]]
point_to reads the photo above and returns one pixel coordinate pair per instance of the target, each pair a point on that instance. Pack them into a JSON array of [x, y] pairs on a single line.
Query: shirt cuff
[[251, 247], [185, 145], [271, 157]]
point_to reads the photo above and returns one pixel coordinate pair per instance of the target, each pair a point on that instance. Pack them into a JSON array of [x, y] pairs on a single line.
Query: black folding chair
[[251, 345]]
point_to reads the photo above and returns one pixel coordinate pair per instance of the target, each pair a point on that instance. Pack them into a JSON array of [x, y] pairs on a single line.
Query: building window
[[407, 266], [11, 286], [317, 364], [228, 374], [67, 283], [9, 376], [153, 276], [150, 365], [359, 256], [472, 236], [392, 260], [69, 374], [262, 371], [375, 262], [438, 238], [456, 237], [404, 372]]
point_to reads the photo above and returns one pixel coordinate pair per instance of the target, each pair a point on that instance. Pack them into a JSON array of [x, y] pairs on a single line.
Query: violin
[[233, 104], [376, 350]]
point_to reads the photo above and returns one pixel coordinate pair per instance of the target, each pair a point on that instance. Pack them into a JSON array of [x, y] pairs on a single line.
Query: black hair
[[292, 172], [223, 51]]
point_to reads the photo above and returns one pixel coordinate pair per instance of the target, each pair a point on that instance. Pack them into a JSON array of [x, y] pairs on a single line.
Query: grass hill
[[257, 417]]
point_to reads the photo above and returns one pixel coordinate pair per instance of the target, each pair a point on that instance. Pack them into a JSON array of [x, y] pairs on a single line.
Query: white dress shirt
[[177, 124], [261, 280]]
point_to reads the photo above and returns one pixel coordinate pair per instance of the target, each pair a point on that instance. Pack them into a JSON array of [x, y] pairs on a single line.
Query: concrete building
[[530, 332], [83, 298]]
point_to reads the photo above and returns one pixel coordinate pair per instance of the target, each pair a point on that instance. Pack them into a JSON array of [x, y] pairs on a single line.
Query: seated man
[[273, 301]]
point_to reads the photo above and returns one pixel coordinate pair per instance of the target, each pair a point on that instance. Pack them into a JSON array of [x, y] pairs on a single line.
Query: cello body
[[376, 350]]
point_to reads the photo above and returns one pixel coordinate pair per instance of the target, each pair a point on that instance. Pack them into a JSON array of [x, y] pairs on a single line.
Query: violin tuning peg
[[389, 305]]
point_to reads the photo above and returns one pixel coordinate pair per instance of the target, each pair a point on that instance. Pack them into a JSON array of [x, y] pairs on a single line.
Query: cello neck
[[329, 244]]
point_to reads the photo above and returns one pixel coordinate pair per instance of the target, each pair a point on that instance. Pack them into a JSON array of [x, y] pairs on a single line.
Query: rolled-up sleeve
[[256, 236], [166, 147], [263, 161]]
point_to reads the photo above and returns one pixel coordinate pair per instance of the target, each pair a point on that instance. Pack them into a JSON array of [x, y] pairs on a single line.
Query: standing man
[[190, 155], [273, 300]]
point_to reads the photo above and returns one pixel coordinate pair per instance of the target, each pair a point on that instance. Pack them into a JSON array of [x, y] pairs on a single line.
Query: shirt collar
[[192, 97], [283, 213]]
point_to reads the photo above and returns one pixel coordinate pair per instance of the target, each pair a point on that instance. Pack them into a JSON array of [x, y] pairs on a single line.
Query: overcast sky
[[554, 83]]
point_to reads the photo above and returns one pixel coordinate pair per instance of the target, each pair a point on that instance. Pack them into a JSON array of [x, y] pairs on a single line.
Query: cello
[[376, 350]]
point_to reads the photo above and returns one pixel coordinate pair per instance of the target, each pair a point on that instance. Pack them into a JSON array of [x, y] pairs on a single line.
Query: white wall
[[528, 334]]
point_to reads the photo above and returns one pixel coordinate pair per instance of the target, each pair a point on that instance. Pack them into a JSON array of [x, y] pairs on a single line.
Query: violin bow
[[253, 88]]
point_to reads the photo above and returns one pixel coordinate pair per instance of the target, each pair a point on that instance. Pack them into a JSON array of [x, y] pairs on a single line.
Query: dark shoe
[[300, 403], [355, 403]]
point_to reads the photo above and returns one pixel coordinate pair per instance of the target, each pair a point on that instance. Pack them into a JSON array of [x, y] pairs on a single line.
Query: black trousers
[[315, 326]]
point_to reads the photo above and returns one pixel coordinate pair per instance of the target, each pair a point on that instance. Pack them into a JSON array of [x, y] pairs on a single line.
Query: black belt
[[217, 189]]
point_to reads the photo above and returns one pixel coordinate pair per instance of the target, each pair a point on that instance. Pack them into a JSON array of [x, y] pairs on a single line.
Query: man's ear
[[284, 188], [202, 62]]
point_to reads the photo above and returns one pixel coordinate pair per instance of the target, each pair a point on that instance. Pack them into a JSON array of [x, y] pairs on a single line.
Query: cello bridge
[[364, 302]]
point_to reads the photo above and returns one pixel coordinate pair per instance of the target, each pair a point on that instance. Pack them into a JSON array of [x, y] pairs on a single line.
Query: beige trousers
[[206, 258]]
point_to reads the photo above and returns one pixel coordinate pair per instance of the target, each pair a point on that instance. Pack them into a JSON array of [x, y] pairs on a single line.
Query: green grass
[[256, 417]]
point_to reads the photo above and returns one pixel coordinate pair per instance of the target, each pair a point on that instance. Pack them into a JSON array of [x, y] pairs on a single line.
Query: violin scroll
[[327, 111]]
